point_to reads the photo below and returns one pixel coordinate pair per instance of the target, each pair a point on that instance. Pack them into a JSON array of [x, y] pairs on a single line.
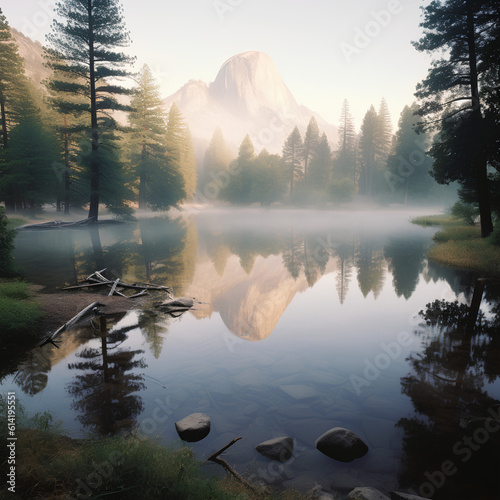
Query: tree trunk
[[67, 179], [94, 166], [483, 192], [4, 121], [142, 180]]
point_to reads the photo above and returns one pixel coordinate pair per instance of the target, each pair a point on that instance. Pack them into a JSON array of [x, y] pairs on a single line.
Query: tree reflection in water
[[104, 389], [451, 447]]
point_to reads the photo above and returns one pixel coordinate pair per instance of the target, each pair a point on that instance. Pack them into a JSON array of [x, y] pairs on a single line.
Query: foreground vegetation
[[55, 466], [459, 244]]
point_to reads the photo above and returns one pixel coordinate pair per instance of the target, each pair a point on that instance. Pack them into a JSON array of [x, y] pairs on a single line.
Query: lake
[[305, 321]]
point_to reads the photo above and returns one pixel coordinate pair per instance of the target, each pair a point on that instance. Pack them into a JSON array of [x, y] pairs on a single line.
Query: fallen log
[[71, 323], [216, 459]]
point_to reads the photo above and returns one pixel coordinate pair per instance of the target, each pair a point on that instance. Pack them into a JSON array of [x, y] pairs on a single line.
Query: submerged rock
[[280, 449], [367, 494], [341, 444], [194, 427]]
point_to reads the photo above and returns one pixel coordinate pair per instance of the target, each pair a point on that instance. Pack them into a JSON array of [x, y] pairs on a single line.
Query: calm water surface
[[306, 321]]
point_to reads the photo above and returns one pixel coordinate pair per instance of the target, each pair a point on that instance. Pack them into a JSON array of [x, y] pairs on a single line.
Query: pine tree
[[217, 158], [321, 164], [180, 151], [28, 176], [292, 156], [384, 133], [160, 184], [189, 167], [311, 141], [368, 151], [11, 77], [452, 97], [239, 187], [409, 165], [345, 158], [85, 45]]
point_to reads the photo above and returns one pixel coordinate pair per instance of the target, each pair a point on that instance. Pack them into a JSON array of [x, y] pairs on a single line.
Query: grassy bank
[[461, 245], [19, 313]]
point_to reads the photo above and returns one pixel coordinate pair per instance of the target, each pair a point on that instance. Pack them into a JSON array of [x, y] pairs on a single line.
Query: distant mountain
[[248, 95], [32, 53]]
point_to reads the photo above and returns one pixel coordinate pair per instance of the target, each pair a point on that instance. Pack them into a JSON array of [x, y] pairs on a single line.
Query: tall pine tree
[[452, 97], [11, 76], [311, 141], [160, 184], [85, 48], [345, 158], [292, 158]]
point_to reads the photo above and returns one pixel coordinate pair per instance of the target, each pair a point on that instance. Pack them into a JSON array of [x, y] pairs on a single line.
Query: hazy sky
[[325, 50]]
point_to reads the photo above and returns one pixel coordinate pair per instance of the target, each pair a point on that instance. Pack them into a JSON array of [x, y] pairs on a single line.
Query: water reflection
[[449, 388], [325, 295], [105, 382]]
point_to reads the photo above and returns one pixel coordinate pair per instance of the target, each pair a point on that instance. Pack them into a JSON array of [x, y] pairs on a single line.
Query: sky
[[325, 50]]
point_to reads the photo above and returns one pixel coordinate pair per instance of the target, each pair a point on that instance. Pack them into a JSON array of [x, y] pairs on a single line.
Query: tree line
[[62, 143], [373, 163]]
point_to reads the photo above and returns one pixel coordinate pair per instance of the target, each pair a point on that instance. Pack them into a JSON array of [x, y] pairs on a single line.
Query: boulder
[[194, 427], [397, 495], [341, 444], [367, 493], [280, 449]]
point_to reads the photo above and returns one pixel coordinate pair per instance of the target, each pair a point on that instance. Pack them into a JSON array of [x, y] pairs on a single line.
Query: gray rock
[[397, 495], [194, 427], [341, 444], [280, 449], [366, 494]]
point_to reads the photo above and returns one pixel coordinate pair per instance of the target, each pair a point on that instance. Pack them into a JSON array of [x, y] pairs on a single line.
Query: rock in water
[[341, 444], [194, 427], [280, 449], [367, 494]]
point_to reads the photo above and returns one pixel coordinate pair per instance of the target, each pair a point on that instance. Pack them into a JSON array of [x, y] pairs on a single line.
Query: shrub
[[7, 235], [494, 237], [466, 211]]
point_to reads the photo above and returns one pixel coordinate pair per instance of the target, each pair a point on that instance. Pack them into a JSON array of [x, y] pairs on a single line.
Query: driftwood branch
[[72, 322], [113, 288], [216, 459]]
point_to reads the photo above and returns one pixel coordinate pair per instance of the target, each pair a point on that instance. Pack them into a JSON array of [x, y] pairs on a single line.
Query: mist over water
[[305, 320]]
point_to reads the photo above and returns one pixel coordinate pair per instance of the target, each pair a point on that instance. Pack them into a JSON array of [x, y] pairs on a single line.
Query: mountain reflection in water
[[320, 292]]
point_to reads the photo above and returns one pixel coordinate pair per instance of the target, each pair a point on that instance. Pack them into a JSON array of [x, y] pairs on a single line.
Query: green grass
[[457, 233], [14, 222], [435, 220], [475, 254], [18, 313], [461, 245]]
